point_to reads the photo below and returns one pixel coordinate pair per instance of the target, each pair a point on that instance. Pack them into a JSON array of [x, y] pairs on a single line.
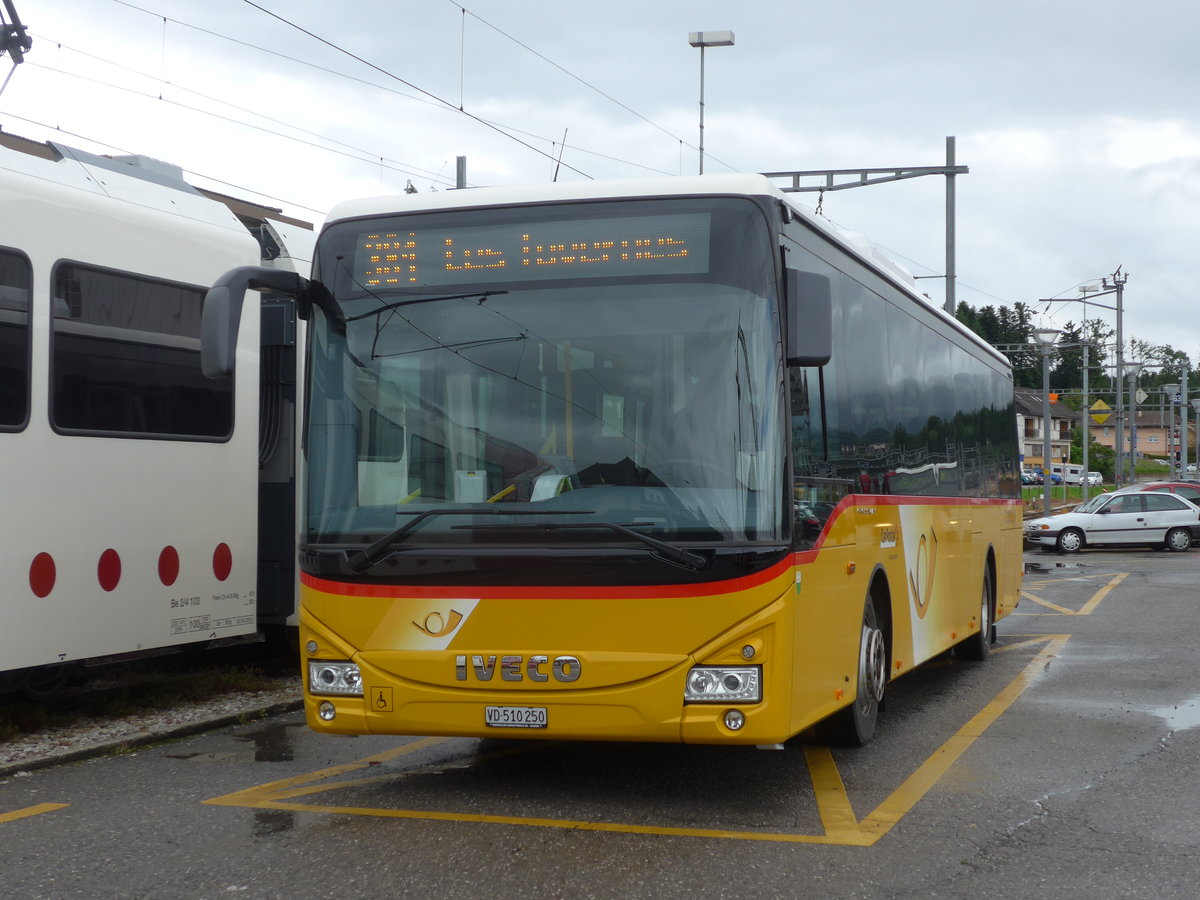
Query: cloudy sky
[[1078, 120]]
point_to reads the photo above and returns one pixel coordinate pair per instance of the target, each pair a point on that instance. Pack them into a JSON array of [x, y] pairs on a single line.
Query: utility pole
[[1117, 285], [13, 41], [866, 177], [1089, 292]]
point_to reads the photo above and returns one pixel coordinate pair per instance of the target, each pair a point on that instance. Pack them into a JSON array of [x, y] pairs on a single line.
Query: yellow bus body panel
[[432, 658]]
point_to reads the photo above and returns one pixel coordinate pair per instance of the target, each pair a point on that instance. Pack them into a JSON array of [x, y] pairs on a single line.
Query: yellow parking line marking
[[1086, 610], [833, 803], [250, 796], [31, 811], [841, 826], [1061, 610], [1102, 593], [905, 797]]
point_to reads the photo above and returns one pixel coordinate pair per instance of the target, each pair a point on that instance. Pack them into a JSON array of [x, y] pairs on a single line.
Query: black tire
[[45, 682], [977, 647], [854, 726], [1070, 540], [1178, 540]]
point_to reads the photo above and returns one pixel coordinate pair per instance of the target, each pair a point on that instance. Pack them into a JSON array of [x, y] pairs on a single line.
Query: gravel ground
[[98, 737]]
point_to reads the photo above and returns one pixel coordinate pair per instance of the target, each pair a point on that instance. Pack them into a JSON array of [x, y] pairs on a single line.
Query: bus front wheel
[[854, 726]]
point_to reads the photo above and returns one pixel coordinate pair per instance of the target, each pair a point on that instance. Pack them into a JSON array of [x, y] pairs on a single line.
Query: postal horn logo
[[920, 577], [436, 625]]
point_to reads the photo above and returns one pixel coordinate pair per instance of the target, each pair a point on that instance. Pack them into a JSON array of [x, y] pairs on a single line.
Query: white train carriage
[[128, 481]]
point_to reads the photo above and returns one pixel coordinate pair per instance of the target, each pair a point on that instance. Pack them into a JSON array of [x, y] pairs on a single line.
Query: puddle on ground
[[1180, 717], [271, 744], [1048, 566]]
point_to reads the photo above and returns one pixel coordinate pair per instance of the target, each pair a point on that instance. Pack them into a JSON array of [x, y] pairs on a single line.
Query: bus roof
[[689, 185]]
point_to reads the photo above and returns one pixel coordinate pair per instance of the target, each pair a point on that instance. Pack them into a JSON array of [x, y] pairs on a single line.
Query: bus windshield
[[606, 364]]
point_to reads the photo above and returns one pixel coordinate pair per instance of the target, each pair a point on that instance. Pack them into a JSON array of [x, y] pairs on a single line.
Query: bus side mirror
[[222, 312], [809, 318]]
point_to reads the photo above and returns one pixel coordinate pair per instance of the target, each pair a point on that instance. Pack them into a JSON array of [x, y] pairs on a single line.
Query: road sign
[[1100, 412]]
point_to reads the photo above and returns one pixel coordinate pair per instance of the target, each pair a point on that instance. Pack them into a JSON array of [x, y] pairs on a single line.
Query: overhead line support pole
[[867, 177]]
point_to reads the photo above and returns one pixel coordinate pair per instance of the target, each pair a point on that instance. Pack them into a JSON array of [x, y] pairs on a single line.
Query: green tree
[[1100, 458]]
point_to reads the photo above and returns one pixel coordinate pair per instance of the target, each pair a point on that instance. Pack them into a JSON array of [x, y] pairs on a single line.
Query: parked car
[[1093, 478], [1055, 478], [1188, 490], [1029, 477], [1128, 516]]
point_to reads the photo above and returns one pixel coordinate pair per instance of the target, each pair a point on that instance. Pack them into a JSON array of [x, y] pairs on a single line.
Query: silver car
[[1125, 517]]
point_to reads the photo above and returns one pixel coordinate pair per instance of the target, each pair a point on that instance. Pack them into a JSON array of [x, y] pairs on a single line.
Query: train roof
[[155, 186]]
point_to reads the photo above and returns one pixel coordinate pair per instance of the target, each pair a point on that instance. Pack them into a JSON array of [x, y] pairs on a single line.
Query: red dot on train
[[42, 575], [109, 570], [222, 561], [168, 565]]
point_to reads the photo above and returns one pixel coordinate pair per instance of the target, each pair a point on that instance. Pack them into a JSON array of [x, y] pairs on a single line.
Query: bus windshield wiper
[[384, 307], [361, 560], [659, 549]]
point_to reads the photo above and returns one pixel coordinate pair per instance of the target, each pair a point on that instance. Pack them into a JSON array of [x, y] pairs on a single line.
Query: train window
[[125, 359], [14, 340]]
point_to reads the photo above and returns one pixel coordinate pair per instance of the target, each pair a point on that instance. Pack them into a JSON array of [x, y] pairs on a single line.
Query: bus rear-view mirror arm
[[809, 318], [222, 313]]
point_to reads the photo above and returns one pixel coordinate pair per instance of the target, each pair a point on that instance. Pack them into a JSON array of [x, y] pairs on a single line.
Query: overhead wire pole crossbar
[[864, 177], [853, 178]]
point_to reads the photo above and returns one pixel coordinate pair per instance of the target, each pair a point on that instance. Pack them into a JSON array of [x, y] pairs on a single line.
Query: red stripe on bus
[[506, 592]]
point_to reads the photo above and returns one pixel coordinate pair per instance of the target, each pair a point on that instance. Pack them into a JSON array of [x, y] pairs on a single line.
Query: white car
[[1125, 517], [1093, 478]]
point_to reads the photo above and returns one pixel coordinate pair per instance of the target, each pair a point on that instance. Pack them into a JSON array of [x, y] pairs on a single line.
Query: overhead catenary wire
[[366, 155], [437, 103], [383, 71]]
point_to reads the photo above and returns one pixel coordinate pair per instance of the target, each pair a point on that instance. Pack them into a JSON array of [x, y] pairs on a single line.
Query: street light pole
[[704, 39], [1183, 472], [1183, 424], [1117, 284], [1133, 369], [1045, 338]]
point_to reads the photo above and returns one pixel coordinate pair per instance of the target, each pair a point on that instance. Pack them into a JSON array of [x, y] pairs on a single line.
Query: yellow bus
[[663, 460]]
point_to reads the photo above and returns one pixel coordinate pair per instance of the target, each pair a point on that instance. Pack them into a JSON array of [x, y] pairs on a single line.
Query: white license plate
[[514, 716]]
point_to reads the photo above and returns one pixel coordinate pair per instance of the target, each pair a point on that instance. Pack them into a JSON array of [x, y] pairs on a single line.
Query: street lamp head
[[1133, 369], [1046, 336], [710, 38]]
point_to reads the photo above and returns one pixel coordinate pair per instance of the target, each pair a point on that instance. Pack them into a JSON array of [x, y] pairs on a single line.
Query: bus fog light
[[734, 720], [342, 678], [326, 711], [723, 684]]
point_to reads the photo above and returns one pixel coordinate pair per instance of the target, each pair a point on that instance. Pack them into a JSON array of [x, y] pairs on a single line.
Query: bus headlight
[[342, 678], [723, 684]]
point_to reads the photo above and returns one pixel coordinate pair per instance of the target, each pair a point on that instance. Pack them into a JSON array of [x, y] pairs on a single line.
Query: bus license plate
[[514, 716]]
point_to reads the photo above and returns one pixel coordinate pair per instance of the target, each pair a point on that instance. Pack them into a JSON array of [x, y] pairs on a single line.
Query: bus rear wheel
[[854, 726], [978, 646]]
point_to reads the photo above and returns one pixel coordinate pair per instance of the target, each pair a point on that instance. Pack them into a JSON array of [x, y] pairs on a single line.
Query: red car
[[1188, 490]]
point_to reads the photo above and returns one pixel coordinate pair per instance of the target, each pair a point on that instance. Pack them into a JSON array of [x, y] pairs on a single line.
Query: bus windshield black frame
[[549, 376]]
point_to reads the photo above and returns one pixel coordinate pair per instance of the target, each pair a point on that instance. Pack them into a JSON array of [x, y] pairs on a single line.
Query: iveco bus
[[652, 461]]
